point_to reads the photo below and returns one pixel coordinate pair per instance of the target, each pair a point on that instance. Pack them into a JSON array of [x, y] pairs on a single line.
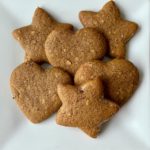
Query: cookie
[[109, 21], [120, 77], [68, 49], [35, 90], [32, 37], [84, 106]]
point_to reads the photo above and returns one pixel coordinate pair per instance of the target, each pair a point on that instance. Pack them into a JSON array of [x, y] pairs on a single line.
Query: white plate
[[128, 130]]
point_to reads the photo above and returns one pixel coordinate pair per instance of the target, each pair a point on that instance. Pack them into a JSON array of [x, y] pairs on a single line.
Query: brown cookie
[[120, 77], [32, 37], [69, 49], [109, 21], [84, 106], [34, 90]]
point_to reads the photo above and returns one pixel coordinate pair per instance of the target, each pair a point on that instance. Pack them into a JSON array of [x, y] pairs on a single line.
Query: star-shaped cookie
[[84, 106], [32, 37], [109, 21]]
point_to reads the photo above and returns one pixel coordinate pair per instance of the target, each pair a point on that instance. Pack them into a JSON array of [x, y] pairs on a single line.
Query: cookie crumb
[[18, 38], [122, 36], [92, 51], [87, 102], [64, 49], [68, 62], [76, 59], [32, 32], [102, 21], [43, 101]]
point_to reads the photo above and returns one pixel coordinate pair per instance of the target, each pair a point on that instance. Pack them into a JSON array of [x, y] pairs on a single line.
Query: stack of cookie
[[82, 86]]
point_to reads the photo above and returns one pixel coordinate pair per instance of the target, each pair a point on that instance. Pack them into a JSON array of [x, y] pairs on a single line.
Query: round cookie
[[120, 77], [34, 90], [69, 49]]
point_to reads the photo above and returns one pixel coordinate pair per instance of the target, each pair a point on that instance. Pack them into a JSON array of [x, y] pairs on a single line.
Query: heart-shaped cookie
[[69, 49], [34, 90], [120, 77]]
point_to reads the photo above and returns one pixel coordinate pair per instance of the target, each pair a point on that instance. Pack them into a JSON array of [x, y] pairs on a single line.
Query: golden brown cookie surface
[[69, 49], [34, 90], [120, 77], [32, 37], [116, 30], [84, 106]]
